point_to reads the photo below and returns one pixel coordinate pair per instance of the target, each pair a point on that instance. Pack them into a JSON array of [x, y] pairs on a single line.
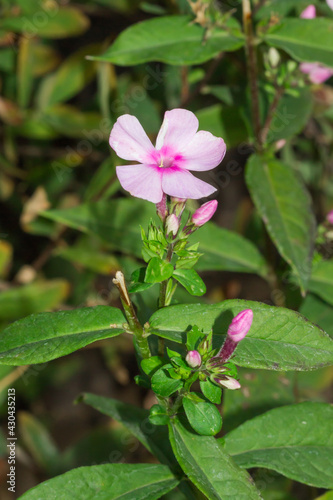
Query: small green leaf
[[158, 415], [109, 481], [204, 417], [190, 280], [321, 282], [158, 270], [163, 384], [150, 365], [211, 391], [193, 338], [296, 441]]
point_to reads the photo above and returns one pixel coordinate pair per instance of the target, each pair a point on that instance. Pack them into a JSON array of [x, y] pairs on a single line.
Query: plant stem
[[270, 115], [162, 298], [251, 61], [134, 324]]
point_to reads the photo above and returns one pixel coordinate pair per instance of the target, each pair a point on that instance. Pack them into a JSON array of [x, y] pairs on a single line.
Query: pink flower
[[329, 217], [240, 325], [226, 381], [309, 12], [193, 359], [165, 167], [318, 73], [172, 224], [204, 213]]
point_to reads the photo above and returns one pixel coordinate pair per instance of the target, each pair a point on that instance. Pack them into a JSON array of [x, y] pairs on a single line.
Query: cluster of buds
[[218, 368]]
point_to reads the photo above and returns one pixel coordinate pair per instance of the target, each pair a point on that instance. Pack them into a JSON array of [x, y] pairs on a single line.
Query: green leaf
[[169, 39], [226, 122], [158, 415], [204, 417], [39, 443], [296, 441], [162, 384], [291, 116], [318, 312], [279, 8], [309, 40], [321, 282], [45, 336], [35, 297], [225, 250], [116, 222], [56, 23], [208, 466], [285, 208], [190, 280], [107, 482], [158, 270], [150, 365], [69, 79], [211, 391], [279, 339]]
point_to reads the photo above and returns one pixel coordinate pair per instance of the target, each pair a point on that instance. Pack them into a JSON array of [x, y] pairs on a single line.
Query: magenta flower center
[[166, 157]]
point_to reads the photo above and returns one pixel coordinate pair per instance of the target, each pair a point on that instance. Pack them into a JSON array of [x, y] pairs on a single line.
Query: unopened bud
[[273, 57], [309, 12], [161, 208], [329, 217], [204, 213], [238, 329], [172, 224], [193, 359], [228, 382]]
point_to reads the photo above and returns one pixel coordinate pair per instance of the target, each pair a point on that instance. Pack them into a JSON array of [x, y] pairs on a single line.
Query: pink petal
[[129, 140], [178, 128], [204, 151], [309, 12], [182, 184], [330, 3], [142, 181], [317, 72]]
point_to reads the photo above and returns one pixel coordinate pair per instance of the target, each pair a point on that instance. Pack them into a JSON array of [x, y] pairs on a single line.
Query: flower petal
[[182, 184], [330, 3], [309, 12], [178, 128], [317, 72], [129, 140], [204, 151], [142, 181]]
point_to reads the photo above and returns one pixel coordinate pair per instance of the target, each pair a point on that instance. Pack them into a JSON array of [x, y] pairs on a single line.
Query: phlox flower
[[318, 73], [164, 169]]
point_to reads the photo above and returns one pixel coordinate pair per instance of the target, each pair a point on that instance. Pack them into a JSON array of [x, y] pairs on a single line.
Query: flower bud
[[274, 57], [172, 224], [161, 208], [193, 359], [329, 217], [204, 213], [238, 329], [228, 382], [240, 325], [309, 12]]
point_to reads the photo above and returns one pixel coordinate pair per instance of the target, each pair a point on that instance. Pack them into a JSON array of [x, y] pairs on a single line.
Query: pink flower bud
[[204, 213], [161, 208], [238, 329], [228, 382], [172, 224], [240, 325], [309, 12], [193, 359], [329, 217]]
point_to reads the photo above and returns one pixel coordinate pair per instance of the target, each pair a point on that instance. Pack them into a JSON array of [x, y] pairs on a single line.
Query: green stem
[[134, 324], [251, 61]]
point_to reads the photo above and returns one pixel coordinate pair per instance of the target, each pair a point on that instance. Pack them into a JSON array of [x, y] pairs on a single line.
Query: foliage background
[[56, 110]]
